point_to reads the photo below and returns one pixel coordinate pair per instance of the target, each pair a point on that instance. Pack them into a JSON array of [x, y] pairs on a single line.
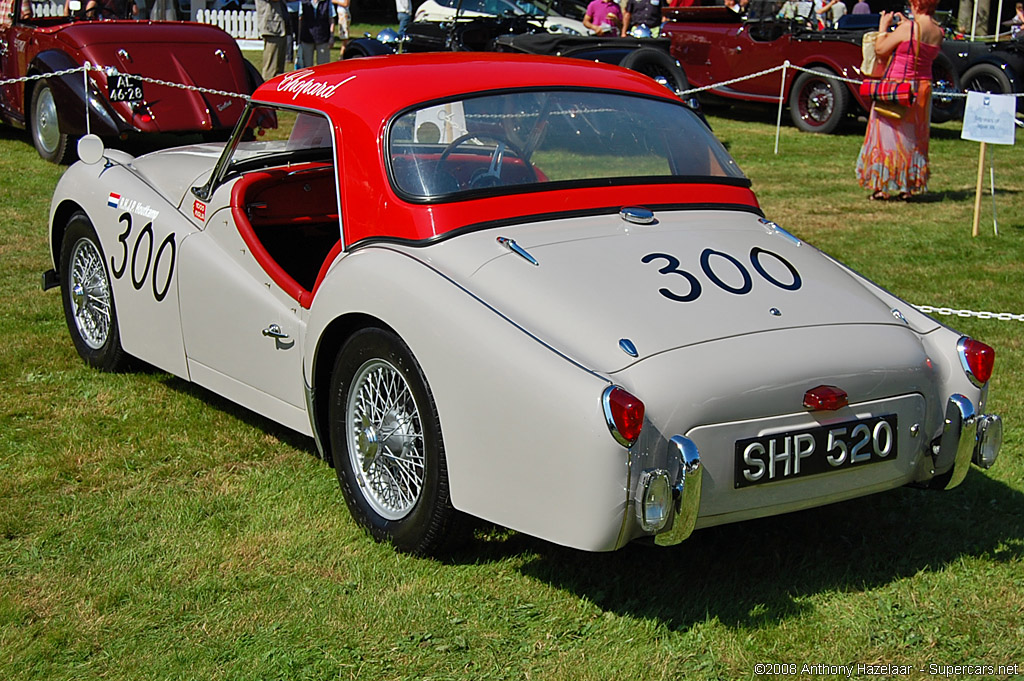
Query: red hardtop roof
[[376, 87]]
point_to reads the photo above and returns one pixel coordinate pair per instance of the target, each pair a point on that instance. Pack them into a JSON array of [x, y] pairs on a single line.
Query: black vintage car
[[527, 34]]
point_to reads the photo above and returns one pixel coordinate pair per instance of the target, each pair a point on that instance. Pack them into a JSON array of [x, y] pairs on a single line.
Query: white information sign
[[989, 118]]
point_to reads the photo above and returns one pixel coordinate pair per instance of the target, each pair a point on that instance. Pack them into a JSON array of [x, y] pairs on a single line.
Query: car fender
[[496, 388], [140, 234], [366, 47], [69, 96]]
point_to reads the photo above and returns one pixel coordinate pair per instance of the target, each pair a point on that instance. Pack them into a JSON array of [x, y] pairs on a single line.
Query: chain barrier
[[950, 312], [110, 71], [822, 74]]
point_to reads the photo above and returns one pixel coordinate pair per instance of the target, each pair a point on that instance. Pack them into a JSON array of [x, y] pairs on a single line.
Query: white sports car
[[531, 290], [449, 10]]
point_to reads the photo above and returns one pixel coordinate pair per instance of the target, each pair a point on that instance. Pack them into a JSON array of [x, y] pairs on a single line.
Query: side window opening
[[286, 207]]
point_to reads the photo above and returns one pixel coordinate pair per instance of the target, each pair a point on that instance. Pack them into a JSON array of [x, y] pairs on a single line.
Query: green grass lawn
[[151, 530]]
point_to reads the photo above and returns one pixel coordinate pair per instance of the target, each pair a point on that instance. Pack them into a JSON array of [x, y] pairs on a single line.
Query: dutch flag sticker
[[113, 200]]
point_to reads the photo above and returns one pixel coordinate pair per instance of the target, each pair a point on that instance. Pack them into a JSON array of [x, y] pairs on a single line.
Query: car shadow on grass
[[766, 571], [286, 435]]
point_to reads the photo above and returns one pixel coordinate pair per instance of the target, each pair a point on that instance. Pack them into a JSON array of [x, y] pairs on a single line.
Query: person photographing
[[893, 162]]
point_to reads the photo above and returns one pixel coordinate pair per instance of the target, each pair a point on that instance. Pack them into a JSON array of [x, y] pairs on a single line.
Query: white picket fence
[[239, 24]]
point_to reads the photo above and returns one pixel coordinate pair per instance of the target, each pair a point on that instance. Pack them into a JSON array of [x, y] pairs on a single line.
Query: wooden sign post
[[987, 119]]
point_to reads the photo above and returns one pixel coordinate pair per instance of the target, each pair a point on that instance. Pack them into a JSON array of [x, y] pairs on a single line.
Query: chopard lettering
[[301, 82]]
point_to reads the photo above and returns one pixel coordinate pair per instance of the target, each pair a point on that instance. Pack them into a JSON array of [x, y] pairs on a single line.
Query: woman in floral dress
[[893, 163]]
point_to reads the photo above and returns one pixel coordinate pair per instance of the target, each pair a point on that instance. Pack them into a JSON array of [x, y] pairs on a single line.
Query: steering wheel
[[98, 10], [491, 177]]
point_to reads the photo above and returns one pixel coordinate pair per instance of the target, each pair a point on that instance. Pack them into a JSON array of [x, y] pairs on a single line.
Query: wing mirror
[[90, 149]]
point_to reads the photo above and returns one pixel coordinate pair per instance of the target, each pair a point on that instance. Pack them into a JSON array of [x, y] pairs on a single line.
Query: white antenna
[[85, 76]]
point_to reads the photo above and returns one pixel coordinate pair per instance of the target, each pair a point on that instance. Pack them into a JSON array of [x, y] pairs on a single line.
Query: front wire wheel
[[385, 436], [88, 298]]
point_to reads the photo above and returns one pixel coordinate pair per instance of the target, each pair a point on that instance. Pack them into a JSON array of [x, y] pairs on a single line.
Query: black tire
[[89, 299], [390, 462], [987, 78], [44, 125], [818, 103], [658, 65], [945, 80]]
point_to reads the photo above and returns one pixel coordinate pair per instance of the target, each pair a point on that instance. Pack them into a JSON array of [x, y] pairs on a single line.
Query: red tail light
[[977, 359], [624, 413], [827, 397]]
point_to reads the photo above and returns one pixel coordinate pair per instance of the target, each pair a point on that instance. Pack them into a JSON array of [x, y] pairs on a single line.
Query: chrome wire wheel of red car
[[818, 103], [50, 142], [386, 442], [88, 299]]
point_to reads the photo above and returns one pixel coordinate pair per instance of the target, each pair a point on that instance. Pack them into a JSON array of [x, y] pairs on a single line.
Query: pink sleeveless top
[[905, 67]]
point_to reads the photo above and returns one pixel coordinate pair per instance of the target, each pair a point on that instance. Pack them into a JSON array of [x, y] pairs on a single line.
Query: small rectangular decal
[[199, 210], [113, 200]]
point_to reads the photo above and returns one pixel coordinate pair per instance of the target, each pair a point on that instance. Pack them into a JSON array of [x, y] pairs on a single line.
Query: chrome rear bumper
[[966, 437]]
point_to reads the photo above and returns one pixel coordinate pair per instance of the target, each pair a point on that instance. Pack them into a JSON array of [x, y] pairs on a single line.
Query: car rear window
[[504, 143]]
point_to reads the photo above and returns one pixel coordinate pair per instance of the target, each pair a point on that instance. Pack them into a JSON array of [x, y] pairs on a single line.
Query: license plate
[[811, 451], [124, 87]]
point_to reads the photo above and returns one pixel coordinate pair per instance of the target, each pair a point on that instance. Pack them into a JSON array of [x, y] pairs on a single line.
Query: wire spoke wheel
[[818, 103], [385, 439], [90, 294], [386, 445], [88, 298]]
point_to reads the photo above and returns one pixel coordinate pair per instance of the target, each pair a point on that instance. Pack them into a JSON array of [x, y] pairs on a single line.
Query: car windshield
[[511, 142], [276, 135]]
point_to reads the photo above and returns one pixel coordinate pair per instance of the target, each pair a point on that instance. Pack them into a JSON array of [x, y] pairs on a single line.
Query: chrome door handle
[[274, 331]]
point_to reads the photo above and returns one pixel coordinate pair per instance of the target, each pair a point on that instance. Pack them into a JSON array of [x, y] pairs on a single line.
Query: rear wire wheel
[[386, 443], [818, 102]]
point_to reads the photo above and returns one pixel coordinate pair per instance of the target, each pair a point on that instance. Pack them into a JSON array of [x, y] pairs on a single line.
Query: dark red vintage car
[[715, 44], [52, 107]]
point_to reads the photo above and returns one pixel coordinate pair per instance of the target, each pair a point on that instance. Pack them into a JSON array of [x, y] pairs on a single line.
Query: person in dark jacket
[[316, 31]]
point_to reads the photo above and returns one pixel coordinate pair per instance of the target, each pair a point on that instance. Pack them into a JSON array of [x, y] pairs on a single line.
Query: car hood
[[689, 278], [185, 54]]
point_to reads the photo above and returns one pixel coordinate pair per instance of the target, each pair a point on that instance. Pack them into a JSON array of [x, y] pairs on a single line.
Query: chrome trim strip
[[959, 436], [307, 389], [607, 407], [687, 499]]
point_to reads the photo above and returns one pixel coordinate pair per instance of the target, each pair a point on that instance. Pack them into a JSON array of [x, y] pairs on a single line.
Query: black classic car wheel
[[987, 78], [386, 442], [88, 299], [945, 80], [50, 142], [659, 66], [818, 103]]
